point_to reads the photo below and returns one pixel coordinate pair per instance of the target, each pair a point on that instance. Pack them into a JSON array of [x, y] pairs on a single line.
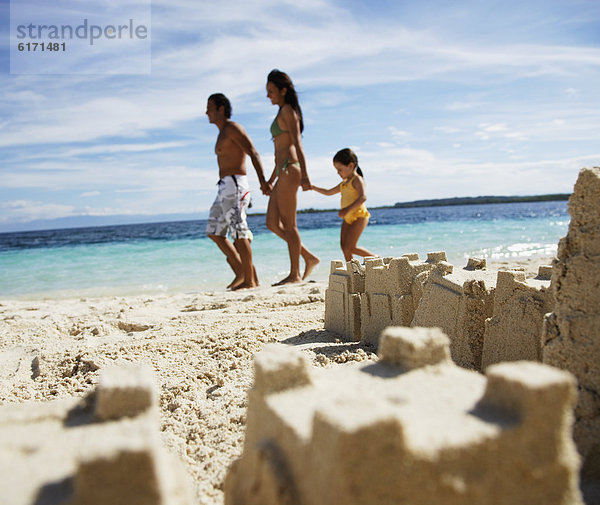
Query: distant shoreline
[[73, 222], [447, 202], [481, 200]]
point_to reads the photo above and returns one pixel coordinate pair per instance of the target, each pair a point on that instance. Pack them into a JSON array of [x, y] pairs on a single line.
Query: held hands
[[305, 183], [266, 187]]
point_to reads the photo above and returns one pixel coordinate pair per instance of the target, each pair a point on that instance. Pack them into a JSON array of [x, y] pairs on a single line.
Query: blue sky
[[437, 98]]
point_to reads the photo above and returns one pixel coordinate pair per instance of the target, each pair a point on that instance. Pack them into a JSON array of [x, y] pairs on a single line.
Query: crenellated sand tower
[[103, 449], [410, 428], [572, 330]]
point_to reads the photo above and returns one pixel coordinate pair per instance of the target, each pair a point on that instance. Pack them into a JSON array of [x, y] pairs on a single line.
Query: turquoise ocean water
[[176, 257]]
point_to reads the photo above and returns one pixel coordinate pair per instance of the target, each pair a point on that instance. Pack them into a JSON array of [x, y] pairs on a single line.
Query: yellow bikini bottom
[[356, 214]]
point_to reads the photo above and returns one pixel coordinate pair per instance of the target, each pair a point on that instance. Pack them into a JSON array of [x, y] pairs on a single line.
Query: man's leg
[[233, 258], [244, 250]]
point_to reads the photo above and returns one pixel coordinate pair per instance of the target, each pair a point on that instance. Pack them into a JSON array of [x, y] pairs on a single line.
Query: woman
[[289, 173]]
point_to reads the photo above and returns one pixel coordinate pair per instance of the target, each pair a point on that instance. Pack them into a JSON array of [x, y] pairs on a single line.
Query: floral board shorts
[[228, 212]]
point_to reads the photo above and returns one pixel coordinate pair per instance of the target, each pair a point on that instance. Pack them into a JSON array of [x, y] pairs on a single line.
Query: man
[[228, 212]]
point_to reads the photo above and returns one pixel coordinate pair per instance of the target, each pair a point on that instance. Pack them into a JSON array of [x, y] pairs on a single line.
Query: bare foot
[[245, 285], [311, 263], [235, 283], [288, 280]]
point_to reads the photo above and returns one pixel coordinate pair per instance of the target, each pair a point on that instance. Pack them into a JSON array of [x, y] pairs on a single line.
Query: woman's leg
[[281, 217], [349, 238], [286, 201]]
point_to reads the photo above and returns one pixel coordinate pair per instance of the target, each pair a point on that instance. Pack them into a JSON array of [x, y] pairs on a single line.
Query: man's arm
[[241, 138]]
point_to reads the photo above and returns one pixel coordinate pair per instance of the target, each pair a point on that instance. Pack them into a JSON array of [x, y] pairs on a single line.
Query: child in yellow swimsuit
[[353, 211]]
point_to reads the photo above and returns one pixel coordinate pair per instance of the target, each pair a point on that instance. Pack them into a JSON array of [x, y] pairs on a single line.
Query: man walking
[[228, 212]]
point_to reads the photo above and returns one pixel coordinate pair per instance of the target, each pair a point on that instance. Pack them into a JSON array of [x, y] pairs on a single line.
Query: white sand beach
[[200, 345]]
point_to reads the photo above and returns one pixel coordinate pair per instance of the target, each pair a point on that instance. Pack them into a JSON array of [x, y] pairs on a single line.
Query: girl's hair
[[347, 156], [282, 80]]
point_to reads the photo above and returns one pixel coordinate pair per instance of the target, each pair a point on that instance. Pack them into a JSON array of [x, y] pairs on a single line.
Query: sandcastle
[[104, 449], [410, 428], [495, 316], [572, 330], [514, 332], [361, 301], [458, 302]]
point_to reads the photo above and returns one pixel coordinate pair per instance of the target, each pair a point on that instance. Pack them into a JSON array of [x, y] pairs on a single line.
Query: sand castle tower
[[104, 449], [572, 331], [459, 301], [361, 301], [490, 316], [393, 289], [514, 332], [410, 428]]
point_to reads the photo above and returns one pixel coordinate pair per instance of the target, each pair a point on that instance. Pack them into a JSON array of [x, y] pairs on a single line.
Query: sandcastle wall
[[361, 301], [493, 317], [410, 428], [514, 332], [572, 330], [342, 299], [103, 449], [459, 303], [393, 288]]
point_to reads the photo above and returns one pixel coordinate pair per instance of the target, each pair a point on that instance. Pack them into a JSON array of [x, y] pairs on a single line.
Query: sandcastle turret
[[410, 428], [489, 315], [393, 289], [572, 330], [514, 332], [459, 301], [342, 299], [361, 301], [103, 449]]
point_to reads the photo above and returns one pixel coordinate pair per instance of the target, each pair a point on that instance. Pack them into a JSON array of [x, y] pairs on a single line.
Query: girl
[[289, 173], [353, 211]]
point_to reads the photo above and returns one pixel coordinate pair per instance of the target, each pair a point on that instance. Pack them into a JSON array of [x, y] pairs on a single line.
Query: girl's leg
[[349, 238], [276, 216]]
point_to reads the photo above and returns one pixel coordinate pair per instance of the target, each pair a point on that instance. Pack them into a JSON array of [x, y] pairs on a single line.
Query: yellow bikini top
[[349, 193]]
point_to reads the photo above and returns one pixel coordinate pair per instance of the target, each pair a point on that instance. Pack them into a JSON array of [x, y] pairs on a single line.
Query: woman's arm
[[273, 177], [293, 125]]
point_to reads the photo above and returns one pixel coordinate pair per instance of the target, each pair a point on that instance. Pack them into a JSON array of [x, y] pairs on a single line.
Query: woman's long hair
[[282, 80]]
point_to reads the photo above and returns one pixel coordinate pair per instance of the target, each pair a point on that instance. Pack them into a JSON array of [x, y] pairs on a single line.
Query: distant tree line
[[466, 200], [479, 200]]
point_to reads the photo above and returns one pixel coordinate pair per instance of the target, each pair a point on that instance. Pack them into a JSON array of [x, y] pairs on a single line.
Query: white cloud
[[398, 134], [493, 127], [123, 148], [384, 52], [26, 210], [571, 92], [147, 137], [446, 129]]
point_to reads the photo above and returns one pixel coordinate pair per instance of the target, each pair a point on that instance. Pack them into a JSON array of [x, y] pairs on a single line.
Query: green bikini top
[[276, 129]]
